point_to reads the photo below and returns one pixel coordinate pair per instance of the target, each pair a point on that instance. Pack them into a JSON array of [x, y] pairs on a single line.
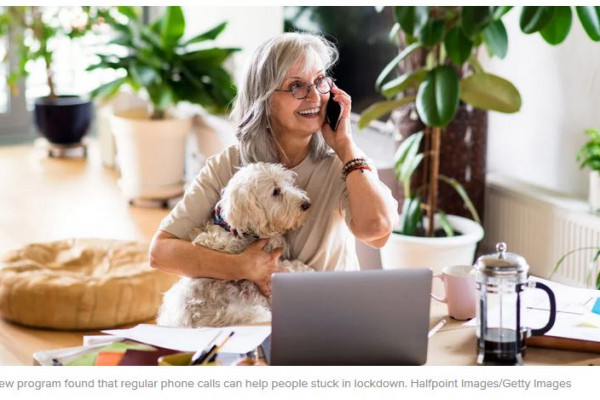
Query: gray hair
[[266, 69]]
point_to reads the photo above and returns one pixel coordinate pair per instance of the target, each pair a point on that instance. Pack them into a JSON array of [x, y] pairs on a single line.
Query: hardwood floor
[[44, 199]]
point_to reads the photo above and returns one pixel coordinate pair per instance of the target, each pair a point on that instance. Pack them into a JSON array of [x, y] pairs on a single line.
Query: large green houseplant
[[34, 32], [157, 61], [447, 41]]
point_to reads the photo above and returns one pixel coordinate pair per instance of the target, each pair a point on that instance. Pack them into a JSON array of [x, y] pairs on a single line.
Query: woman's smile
[[310, 113]]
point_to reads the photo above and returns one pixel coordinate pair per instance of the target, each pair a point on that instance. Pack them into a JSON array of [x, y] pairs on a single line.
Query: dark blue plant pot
[[64, 119]]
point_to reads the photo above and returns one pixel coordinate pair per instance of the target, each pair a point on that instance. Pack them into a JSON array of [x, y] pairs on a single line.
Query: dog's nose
[[305, 205]]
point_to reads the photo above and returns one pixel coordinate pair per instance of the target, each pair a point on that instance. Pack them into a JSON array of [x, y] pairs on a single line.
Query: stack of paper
[[246, 338]]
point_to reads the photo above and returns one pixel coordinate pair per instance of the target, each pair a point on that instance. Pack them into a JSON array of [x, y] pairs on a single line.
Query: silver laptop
[[376, 317]]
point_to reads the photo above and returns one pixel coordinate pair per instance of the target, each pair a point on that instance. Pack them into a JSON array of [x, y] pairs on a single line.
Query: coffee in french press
[[501, 278]]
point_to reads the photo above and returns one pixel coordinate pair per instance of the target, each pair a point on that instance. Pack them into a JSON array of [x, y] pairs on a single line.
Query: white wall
[[247, 27], [559, 87]]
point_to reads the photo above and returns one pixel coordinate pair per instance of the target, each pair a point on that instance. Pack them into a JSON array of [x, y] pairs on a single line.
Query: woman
[[280, 117]]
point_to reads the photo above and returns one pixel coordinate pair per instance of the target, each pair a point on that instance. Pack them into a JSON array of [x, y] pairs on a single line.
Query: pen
[[198, 356], [436, 328], [214, 350]]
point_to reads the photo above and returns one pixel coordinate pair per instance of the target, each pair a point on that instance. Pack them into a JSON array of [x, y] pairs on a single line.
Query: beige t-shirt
[[324, 242]]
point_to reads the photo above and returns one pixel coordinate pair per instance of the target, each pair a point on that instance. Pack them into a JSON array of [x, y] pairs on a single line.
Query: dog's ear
[[244, 213]]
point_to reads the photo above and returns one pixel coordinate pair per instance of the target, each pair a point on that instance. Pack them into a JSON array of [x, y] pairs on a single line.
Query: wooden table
[[455, 344], [44, 199]]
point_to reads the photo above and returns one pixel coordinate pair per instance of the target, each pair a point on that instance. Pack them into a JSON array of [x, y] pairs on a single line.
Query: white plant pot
[[104, 110], [150, 154], [594, 196], [435, 253]]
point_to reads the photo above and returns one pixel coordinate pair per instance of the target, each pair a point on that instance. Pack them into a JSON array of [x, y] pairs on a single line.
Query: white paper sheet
[[245, 339], [574, 318]]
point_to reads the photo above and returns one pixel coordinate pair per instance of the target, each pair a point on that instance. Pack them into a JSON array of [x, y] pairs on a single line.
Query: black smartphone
[[333, 111]]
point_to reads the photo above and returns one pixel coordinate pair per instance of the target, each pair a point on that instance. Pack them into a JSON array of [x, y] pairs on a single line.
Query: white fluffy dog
[[260, 201]]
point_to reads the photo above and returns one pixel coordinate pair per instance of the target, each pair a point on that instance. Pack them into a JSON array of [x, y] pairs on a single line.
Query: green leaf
[[594, 134], [590, 20], [500, 11], [559, 26], [210, 34], [411, 217], [496, 38], [209, 57], [173, 27], [394, 63], [410, 145], [380, 109], [432, 32], [107, 90], [393, 35], [144, 75], [133, 13], [458, 46], [437, 97], [490, 92], [445, 224], [475, 19], [162, 96], [463, 195], [407, 160], [403, 82], [411, 19], [536, 18], [590, 270], [405, 171]]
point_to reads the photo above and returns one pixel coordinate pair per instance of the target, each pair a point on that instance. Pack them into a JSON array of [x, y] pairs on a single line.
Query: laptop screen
[[375, 317]]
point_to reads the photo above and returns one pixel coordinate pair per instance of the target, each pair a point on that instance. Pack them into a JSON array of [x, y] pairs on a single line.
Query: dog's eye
[[276, 192]]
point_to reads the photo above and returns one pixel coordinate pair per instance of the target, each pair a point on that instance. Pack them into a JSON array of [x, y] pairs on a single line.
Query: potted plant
[[589, 156], [156, 60], [63, 119], [438, 53]]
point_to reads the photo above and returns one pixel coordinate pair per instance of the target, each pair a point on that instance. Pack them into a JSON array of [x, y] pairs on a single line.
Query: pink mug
[[460, 291]]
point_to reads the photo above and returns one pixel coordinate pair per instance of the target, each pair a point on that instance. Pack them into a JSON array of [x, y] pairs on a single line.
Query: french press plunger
[[500, 279]]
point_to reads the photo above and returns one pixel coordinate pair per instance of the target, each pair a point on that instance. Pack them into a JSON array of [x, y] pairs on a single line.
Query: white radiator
[[541, 226]]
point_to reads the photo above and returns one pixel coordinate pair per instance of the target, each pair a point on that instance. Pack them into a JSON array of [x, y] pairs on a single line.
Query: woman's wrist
[[348, 152], [237, 267]]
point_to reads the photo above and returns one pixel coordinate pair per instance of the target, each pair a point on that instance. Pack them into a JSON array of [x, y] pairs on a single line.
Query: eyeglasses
[[301, 89]]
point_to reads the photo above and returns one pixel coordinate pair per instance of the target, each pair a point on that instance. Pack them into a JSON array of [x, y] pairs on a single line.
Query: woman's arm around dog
[[173, 255]]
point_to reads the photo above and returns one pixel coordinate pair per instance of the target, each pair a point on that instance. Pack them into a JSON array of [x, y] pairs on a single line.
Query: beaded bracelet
[[355, 164], [356, 168]]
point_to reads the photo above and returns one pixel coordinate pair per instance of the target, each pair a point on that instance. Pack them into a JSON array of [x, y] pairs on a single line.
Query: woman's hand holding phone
[[337, 131], [333, 112]]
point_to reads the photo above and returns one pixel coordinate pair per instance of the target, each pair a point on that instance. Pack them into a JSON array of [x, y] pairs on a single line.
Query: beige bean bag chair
[[80, 284]]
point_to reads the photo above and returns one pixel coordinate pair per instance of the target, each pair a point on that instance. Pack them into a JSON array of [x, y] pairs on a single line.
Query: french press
[[501, 278]]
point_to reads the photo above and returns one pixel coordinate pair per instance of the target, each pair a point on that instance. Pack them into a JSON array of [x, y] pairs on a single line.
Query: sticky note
[[109, 358], [596, 307]]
